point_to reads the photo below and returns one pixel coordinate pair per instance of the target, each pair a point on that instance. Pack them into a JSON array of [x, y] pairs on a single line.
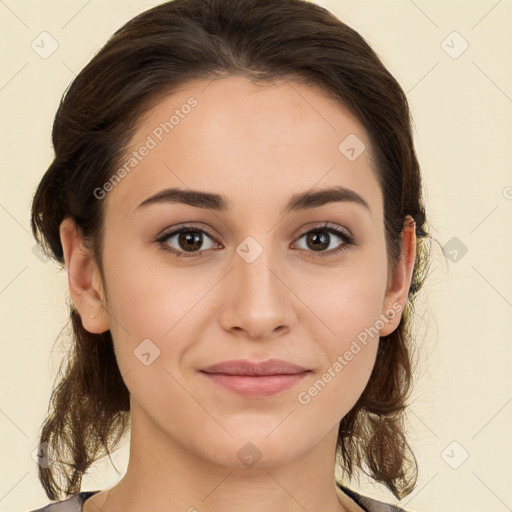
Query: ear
[[84, 279], [398, 287]]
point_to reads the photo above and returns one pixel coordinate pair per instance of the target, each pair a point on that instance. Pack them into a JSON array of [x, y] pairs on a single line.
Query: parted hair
[[149, 57]]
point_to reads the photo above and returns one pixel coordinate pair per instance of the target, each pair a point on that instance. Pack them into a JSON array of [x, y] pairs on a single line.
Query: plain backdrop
[[453, 60]]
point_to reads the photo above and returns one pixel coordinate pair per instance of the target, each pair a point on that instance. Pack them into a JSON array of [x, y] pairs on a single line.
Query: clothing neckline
[[83, 496]]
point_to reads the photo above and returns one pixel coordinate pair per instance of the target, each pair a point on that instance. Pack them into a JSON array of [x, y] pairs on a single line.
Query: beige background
[[463, 114]]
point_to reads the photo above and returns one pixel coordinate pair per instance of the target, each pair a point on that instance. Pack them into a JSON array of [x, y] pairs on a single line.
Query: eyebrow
[[216, 202]]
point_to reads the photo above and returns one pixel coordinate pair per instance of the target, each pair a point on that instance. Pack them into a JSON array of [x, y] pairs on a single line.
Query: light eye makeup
[[194, 236]]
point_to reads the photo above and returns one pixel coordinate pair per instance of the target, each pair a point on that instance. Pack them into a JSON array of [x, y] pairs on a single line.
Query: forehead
[[257, 144]]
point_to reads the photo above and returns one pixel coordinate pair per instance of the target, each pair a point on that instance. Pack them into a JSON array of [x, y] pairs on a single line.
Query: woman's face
[[252, 281]]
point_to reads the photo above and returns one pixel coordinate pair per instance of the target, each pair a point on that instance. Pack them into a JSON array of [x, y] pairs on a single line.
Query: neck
[[165, 473]]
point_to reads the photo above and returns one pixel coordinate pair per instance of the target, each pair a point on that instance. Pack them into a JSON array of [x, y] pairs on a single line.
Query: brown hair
[[150, 56]]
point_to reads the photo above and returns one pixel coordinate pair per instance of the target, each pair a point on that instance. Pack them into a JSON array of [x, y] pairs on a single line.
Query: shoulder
[[73, 503], [369, 504]]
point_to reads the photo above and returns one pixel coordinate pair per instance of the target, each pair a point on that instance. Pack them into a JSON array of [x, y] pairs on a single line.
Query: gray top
[[75, 502]]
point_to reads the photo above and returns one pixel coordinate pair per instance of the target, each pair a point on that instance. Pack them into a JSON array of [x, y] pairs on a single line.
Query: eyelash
[[327, 227]]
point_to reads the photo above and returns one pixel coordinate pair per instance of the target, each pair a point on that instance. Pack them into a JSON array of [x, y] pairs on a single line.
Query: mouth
[[256, 386], [255, 379], [245, 367]]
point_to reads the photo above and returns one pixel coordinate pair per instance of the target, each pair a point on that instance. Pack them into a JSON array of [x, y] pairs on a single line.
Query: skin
[[257, 145]]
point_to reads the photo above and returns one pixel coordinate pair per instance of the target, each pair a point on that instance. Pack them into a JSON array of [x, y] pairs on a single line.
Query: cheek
[[333, 392], [156, 310], [345, 301], [146, 296], [348, 338], [346, 311], [150, 321]]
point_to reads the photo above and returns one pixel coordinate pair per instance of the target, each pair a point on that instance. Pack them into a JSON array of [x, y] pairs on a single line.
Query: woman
[[236, 197]]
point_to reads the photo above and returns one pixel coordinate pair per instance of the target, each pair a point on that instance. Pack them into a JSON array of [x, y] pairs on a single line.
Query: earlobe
[[398, 290], [84, 279]]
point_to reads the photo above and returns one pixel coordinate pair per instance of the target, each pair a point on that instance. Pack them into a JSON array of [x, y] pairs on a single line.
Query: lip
[[255, 379], [255, 368]]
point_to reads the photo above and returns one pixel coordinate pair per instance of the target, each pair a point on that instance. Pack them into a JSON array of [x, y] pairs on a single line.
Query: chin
[[259, 450]]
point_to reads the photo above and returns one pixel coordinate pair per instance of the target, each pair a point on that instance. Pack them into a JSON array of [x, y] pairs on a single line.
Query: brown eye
[[187, 241], [190, 240], [319, 240]]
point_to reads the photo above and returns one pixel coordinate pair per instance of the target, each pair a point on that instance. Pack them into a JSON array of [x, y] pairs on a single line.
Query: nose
[[259, 303]]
